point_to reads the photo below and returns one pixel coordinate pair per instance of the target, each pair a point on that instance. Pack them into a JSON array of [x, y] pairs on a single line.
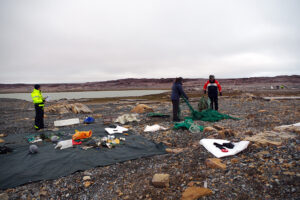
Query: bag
[[89, 120], [203, 104], [81, 135]]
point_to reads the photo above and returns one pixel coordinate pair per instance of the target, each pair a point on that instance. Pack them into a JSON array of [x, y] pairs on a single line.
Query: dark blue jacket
[[177, 92]]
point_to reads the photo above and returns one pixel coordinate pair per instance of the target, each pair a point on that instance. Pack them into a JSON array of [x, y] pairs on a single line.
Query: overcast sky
[[63, 41]]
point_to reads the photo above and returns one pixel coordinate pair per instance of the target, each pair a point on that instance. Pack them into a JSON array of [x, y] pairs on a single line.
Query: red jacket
[[212, 88]]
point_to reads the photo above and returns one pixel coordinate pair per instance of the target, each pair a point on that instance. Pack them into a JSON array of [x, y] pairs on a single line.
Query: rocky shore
[[265, 170]]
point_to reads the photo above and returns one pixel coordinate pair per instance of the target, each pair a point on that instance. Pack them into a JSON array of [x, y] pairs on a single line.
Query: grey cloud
[[79, 41]]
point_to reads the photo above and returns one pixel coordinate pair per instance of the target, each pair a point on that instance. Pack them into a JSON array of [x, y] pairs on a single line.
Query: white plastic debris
[[36, 140], [291, 125], [127, 118], [118, 129], [64, 144], [209, 145], [154, 128], [66, 122]]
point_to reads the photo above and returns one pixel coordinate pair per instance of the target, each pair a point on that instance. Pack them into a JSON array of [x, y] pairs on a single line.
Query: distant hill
[[163, 83]]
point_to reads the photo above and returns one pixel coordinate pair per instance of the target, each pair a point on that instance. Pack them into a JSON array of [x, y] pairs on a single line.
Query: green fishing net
[[190, 125], [152, 114], [206, 115]]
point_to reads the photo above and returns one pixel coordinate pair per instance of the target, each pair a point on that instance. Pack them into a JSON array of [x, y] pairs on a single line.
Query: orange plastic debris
[[81, 134]]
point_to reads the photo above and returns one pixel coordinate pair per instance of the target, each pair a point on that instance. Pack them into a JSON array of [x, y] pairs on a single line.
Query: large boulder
[[270, 138]]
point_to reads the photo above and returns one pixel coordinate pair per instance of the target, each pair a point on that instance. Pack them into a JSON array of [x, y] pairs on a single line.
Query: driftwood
[[67, 108], [281, 98]]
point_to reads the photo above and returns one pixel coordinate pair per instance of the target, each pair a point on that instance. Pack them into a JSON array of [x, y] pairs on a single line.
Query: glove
[[204, 91], [220, 93]]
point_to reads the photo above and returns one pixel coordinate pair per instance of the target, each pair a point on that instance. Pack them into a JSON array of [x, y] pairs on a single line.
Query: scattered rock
[[194, 193], [161, 180], [167, 143], [87, 184], [4, 196], [218, 127], [234, 160], [262, 154], [288, 128], [177, 150], [289, 173], [208, 129], [86, 178], [250, 133], [43, 193], [194, 183], [107, 120], [55, 129], [214, 136], [225, 133], [215, 163], [262, 111], [97, 115], [127, 126], [270, 138], [85, 173]]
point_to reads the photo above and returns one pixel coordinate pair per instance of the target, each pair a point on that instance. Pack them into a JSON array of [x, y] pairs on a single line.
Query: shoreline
[[88, 90], [165, 96]]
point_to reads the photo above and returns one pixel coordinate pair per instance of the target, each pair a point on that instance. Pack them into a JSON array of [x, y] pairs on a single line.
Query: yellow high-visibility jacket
[[37, 97]]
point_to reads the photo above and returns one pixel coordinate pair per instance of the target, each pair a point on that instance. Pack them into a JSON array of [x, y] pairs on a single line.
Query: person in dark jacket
[[177, 92], [213, 86]]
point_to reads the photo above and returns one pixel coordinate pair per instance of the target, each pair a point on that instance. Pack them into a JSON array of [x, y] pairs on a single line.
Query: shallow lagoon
[[87, 94]]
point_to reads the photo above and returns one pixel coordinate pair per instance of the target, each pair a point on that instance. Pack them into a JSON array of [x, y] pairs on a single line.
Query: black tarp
[[20, 167]]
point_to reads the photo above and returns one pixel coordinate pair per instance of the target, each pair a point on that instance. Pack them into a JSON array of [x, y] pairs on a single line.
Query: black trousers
[[175, 110], [39, 117], [214, 101]]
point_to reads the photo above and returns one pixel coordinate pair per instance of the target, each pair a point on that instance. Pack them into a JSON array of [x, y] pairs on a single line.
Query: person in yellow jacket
[[38, 101]]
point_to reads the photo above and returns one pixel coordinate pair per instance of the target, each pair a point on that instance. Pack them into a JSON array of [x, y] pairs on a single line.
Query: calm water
[[89, 94]]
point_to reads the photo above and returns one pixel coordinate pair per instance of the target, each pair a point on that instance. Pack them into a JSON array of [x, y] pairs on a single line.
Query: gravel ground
[[250, 174]]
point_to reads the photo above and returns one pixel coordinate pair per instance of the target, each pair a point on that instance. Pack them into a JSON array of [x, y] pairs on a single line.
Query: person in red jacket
[[212, 87]]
